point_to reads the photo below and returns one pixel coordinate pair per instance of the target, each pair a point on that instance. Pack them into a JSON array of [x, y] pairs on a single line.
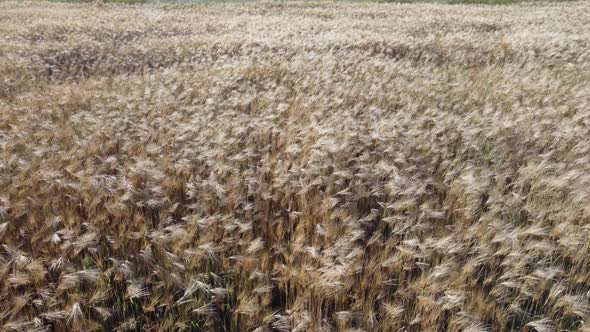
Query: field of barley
[[295, 166]]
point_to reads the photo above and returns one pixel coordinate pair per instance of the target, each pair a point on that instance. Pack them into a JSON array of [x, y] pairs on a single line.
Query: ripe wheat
[[294, 167]]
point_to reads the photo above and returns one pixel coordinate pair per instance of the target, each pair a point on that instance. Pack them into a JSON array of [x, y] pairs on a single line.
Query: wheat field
[[295, 166]]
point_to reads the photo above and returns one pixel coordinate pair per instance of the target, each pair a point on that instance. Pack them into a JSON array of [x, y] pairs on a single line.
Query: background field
[[295, 167]]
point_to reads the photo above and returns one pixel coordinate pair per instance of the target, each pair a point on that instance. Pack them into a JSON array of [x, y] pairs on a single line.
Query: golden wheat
[[294, 167]]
